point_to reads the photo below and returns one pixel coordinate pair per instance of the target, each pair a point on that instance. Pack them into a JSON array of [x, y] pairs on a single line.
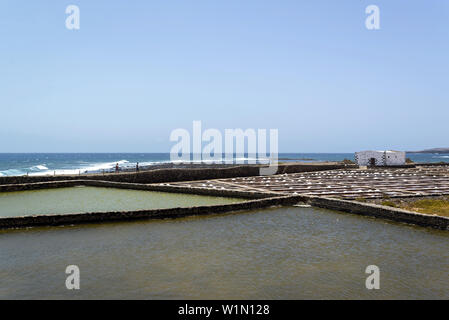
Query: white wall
[[389, 158], [395, 158], [363, 158]]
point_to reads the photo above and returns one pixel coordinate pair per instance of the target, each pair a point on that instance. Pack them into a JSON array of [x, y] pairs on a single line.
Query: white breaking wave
[[11, 172], [43, 170], [39, 167], [93, 168]]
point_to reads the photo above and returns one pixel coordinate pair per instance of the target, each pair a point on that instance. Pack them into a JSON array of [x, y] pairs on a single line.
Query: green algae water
[[279, 253], [93, 199]]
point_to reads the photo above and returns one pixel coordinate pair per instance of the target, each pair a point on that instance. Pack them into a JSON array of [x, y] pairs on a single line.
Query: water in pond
[[281, 253], [93, 199]]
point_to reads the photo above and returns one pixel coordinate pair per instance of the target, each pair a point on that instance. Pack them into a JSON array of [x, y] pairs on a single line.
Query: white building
[[380, 158]]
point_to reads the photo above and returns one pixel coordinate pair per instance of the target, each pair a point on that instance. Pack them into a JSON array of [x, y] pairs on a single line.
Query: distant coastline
[[15, 164], [433, 150]]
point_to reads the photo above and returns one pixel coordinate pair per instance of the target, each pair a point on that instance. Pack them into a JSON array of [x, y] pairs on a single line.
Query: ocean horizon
[[17, 164]]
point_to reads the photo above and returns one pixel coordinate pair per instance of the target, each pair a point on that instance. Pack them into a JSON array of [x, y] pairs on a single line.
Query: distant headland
[[434, 150]]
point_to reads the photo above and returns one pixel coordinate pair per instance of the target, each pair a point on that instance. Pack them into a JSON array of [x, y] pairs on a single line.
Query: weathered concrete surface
[[172, 175], [95, 217]]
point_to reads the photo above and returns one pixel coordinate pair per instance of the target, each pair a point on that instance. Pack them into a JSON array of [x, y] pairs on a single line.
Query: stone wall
[[263, 200], [383, 212], [182, 189], [41, 185], [136, 186], [173, 175], [95, 217]]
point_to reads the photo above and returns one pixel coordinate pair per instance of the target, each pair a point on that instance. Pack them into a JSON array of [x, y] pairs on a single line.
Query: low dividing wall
[[432, 164], [378, 211], [174, 175], [95, 217], [263, 200], [41, 185], [136, 186], [183, 189]]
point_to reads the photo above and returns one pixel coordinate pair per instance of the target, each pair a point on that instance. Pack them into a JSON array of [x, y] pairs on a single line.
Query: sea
[[18, 164]]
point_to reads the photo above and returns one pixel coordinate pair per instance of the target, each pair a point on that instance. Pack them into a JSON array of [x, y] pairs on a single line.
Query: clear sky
[[136, 70]]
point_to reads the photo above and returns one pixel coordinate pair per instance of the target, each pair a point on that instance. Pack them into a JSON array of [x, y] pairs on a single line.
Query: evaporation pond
[[93, 199]]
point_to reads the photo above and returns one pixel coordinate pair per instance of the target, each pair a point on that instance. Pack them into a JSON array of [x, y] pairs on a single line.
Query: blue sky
[[136, 70]]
